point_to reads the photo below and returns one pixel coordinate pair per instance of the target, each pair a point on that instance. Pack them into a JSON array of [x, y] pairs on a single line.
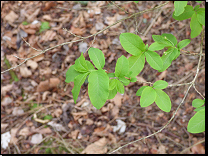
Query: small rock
[[82, 47], [36, 139], [6, 101], [5, 139], [17, 111]]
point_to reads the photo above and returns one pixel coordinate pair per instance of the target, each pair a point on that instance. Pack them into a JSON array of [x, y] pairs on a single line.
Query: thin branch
[[121, 8], [191, 84], [182, 152], [87, 36], [198, 92], [72, 33]]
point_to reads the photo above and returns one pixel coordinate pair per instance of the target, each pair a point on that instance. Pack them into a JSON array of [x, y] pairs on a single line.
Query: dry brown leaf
[[98, 147], [6, 89], [48, 36], [32, 64], [13, 136], [89, 122], [198, 149], [53, 82], [45, 71], [4, 126], [78, 31], [24, 71], [30, 28], [33, 16], [12, 43], [117, 99], [11, 16], [49, 5], [77, 115], [115, 111], [162, 75], [47, 17], [6, 101], [74, 134], [162, 149], [43, 86], [11, 58], [141, 79], [57, 112], [24, 131]]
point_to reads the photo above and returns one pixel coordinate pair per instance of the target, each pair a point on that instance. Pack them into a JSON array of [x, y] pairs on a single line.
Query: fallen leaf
[[74, 134], [162, 149], [24, 131], [117, 99], [13, 135], [11, 16], [48, 36], [77, 115], [6, 89], [32, 64], [78, 31], [25, 72], [98, 147], [4, 126], [48, 84], [57, 112], [198, 149], [33, 16], [49, 5]]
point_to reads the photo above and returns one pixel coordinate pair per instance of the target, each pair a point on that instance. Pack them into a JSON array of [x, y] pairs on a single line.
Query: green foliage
[[71, 74], [195, 26], [160, 84], [98, 88], [197, 103], [183, 43], [197, 122], [179, 7], [154, 60], [81, 65], [97, 57], [25, 23], [162, 100], [196, 14], [44, 26], [132, 43], [148, 96], [122, 66], [136, 64], [47, 117]]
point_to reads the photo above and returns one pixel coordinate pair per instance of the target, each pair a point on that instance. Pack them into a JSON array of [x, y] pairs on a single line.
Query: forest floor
[[38, 113]]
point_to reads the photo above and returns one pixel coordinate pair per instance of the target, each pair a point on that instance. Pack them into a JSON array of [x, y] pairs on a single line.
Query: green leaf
[[171, 38], [44, 26], [195, 26], [168, 57], [124, 80], [78, 81], [196, 7], [80, 64], [179, 7], [133, 79], [177, 54], [71, 74], [148, 97], [97, 57], [120, 87], [136, 1], [111, 74], [48, 117], [188, 12], [183, 43], [162, 100], [112, 84], [197, 122], [132, 43], [161, 40], [201, 16], [160, 84], [156, 46], [154, 60], [122, 66], [198, 1], [90, 66], [112, 93], [199, 108], [98, 88], [140, 90], [25, 23], [136, 64], [197, 103]]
